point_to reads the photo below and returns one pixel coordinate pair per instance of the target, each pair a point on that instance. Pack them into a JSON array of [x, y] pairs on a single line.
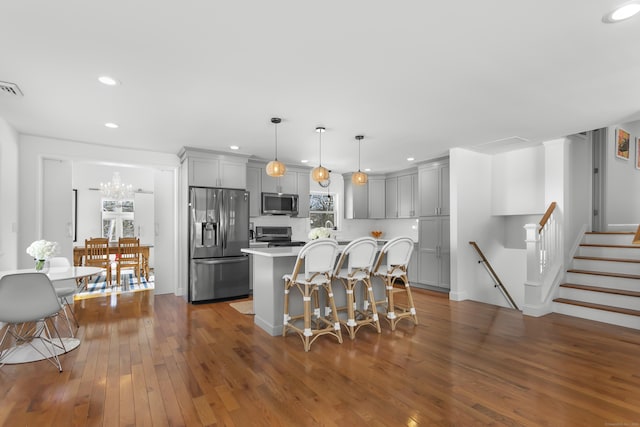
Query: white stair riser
[[607, 266], [608, 252], [625, 320], [620, 301], [608, 239], [604, 281]]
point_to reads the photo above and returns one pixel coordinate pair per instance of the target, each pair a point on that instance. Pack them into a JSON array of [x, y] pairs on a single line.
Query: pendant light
[[359, 178], [320, 173], [276, 168]]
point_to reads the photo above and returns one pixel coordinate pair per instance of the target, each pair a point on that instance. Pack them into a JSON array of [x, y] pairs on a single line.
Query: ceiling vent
[[10, 89]]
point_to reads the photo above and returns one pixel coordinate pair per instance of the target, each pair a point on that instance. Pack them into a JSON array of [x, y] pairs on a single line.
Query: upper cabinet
[[295, 181], [356, 199], [377, 197], [207, 168], [402, 195], [434, 188]]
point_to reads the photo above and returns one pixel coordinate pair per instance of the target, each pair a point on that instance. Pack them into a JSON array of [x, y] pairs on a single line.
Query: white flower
[[42, 249], [319, 232]]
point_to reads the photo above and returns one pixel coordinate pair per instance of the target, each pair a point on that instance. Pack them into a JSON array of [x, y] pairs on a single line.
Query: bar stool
[[318, 258], [396, 254], [359, 255]]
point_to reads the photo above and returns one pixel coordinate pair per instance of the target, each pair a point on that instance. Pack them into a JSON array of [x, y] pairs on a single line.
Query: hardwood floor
[[148, 360]]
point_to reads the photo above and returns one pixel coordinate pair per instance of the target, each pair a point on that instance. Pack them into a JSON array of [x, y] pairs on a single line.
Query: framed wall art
[[622, 144], [637, 153]]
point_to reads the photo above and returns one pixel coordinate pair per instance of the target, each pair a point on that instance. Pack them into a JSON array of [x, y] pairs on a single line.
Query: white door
[[57, 206], [165, 247]]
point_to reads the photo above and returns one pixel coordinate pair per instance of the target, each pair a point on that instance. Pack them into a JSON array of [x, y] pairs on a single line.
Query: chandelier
[[115, 189]]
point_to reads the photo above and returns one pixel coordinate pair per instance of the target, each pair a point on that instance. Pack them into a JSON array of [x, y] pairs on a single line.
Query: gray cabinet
[[205, 168], [434, 258], [356, 199], [412, 268], [293, 182], [254, 188], [434, 189], [377, 197], [401, 196]]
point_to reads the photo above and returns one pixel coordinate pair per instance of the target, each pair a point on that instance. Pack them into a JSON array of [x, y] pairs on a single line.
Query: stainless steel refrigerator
[[218, 229]]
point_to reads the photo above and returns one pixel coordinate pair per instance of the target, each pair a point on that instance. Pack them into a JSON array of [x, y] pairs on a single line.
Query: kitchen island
[[268, 267]]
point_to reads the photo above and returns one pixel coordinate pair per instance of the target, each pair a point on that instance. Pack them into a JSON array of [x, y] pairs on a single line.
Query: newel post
[[533, 304]]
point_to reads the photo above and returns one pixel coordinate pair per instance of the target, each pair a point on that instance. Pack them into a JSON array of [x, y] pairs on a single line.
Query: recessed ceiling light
[[109, 81], [622, 12], [111, 125], [234, 147], [367, 169], [304, 161], [410, 159]]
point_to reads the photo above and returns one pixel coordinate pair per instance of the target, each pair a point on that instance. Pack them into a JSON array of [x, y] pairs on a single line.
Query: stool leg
[[308, 289], [351, 315], [334, 312], [412, 307], [286, 318], [372, 301]]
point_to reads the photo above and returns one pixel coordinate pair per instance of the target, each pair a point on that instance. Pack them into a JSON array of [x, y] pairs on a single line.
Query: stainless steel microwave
[[279, 204]]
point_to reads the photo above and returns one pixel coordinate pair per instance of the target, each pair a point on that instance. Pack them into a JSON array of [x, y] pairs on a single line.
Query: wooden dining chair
[[129, 256], [96, 254]]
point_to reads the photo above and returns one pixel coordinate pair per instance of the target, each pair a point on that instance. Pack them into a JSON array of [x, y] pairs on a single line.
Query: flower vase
[[40, 264]]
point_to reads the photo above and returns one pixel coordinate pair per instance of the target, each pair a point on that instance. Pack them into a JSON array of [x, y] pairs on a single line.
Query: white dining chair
[[65, 290], [29, 298]]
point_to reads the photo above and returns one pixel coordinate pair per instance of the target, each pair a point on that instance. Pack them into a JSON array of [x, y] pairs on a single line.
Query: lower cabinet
[[434, 259]]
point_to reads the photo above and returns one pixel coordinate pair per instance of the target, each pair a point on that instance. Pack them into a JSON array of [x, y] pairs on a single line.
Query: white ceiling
[[414, 77]]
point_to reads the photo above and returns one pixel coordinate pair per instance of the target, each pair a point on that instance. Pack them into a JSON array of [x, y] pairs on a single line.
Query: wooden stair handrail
[[493, 274], [636, 237], [546, 216]]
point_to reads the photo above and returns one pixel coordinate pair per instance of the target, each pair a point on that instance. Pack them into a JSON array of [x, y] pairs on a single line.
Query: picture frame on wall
[[623, 139], [637, 153]]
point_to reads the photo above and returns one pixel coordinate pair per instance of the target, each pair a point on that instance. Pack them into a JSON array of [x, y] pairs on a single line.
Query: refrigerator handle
[[224, 215]]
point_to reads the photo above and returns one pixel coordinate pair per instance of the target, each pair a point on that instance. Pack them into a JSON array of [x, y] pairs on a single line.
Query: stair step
[[601, 245], [595, 258], [609, 238], [600, 289], [598, 306], [610, 232], [607, 274]]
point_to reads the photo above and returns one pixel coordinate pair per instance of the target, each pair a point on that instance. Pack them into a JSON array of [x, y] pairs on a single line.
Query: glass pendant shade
[[320, 173], [276, 168], [359, 178]]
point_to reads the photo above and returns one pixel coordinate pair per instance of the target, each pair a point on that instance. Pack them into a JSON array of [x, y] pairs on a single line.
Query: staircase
[[604, 283]]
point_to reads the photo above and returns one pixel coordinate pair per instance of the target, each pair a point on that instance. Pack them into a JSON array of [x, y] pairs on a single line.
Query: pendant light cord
[[276, 127], [320, 148], [359, 142]]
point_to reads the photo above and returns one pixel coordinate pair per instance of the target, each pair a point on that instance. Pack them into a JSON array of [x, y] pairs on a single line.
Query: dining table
[[145, 249], [23, 353]]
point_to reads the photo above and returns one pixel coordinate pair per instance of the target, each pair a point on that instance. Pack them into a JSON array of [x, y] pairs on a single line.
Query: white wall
[[472, 220], [580, 191], [33, 149], [516, 184], [622, 182], [8, 197]]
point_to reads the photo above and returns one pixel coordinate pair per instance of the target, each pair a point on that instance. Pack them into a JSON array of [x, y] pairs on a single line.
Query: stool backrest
[[319, 257], [360, 254], [396, 253]]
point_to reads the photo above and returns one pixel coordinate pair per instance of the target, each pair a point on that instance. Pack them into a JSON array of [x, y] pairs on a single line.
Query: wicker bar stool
[[359, 256], [393, 272], [318, 258]]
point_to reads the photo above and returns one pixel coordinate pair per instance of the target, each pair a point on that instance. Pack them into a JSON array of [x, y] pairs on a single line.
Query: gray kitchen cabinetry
[[377, 197], [356, 199], [401, 195], [254, 175], [412, 268], [434, 188], [294, 181], [207, 168], [434, 258]]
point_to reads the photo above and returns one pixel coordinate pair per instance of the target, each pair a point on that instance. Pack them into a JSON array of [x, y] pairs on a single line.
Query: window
[[117, 219], [322, 210]]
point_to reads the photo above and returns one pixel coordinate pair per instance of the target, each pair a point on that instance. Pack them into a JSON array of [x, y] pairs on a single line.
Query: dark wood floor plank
[[155, 360]]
